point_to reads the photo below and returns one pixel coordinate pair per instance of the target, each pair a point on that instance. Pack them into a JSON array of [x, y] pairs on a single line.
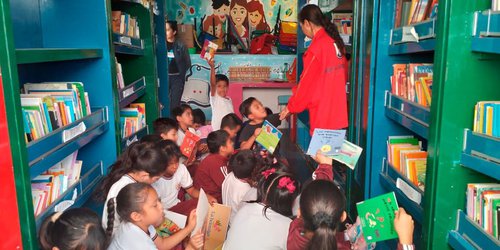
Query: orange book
[[396, 154], [62, 111], [189, 144]]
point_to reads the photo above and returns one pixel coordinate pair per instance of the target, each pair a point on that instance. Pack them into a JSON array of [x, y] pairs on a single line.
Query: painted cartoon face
[[255, 18], [222, 12], [238, 14]]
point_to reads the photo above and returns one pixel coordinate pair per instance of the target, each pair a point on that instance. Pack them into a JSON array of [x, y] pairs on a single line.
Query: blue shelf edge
[[394, 174], [469, 235], [132, 92], [84, 188], [486, 44], [49, 150], [133, 137], [411, 109], [423, 46], [486, 23], [407, 122], [411, 207], [480, 153], [127, 50]]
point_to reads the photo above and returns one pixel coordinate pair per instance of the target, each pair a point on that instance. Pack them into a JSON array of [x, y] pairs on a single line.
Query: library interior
[[250, 124]]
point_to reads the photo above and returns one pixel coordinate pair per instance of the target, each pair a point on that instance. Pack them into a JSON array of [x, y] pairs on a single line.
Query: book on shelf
[[487, 118], [47, 187], [483, 206], [208, 50], [124, 24], [405, 154], [414, 11], [413, 82], [269, 137], [49, 106], [495, 5], [119, 75], [132, 119], [377, 217], [327, 141]]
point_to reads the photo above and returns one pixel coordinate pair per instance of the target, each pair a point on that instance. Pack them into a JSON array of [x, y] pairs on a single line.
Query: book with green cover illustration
[[269, 137], [377, 217], [348, 154]]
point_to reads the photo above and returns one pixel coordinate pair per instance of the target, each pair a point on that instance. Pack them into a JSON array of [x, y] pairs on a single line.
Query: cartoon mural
[[213, 26], [239, 16], [257, 16]]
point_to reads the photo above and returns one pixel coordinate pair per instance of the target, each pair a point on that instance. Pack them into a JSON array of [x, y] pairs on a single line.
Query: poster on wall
[[246, 16]]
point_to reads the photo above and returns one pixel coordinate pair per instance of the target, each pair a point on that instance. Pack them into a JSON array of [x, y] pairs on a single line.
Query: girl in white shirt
[[264, 224], [141, 162], [140, 210]]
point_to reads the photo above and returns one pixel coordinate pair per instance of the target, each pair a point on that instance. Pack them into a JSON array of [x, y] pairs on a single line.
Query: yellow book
[[489, 120], [476, 119], [425, 83], [480, 111]]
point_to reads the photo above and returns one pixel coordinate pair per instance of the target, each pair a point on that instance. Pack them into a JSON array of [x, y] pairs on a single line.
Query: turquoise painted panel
[[20, 9]]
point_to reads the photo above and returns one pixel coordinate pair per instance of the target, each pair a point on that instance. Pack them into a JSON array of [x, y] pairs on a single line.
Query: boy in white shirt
[[220, 102], [237, 183]]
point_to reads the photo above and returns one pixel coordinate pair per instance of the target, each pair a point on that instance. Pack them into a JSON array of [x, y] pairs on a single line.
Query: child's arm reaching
[[324, 170], [250, 141], [211, 63], [195, 193], [404, 225], [176, 238]]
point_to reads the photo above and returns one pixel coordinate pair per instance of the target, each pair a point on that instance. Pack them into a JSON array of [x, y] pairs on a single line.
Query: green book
[[377, 217], [269, 137]]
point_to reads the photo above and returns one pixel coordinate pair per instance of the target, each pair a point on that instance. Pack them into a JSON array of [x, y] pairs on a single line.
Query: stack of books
[[414, 11], [126, 25], [47, 187], [48, 106], [405, 154], [487, 118], [287, 39], [132, 119], [483, 206], [413, 82]]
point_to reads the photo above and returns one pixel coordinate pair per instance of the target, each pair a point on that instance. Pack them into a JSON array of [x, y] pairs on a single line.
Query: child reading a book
[[184, 116], [231, 123], [264, 223], [239, 181], [213, 169], [253, 109], [140, 209], [219, 100], [199, 123], [167, 128], [141, 162], [175, 178], [76, 228]]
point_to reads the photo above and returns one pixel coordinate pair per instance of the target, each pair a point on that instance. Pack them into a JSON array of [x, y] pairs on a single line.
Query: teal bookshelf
[[57, 41]]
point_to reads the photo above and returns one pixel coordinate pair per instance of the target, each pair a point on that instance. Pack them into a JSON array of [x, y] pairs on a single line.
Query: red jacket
[[322, 85]]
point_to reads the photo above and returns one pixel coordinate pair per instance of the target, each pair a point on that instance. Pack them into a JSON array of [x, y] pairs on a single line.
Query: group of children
[[269, 207]]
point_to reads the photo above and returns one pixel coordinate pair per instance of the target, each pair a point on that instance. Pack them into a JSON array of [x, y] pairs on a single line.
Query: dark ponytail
[[322, 206], [111, 218], [77, 228], [131, 199], [313, 14]]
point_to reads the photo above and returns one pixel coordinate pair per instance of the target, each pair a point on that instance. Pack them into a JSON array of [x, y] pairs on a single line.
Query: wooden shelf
[[41, 55]]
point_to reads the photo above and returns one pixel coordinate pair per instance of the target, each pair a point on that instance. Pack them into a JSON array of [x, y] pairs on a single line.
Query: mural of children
[[239, 15], [208, 26], [256, 16]]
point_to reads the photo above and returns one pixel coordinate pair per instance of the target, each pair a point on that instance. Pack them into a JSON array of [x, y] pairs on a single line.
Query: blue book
[[328, 141], [496, 120]]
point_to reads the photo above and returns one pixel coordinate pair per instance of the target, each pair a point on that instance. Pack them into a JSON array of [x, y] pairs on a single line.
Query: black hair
[[150, 139], [231, 121], [75, 228], [273, 194], [130, 199], [199, 116], [245, 106], [139, 156], [221, 77], [173, 25], [171, 149], [313, 14], [243, 164], [216, 139], [321, 206], [179, 110], [218, 3], [164, 124]]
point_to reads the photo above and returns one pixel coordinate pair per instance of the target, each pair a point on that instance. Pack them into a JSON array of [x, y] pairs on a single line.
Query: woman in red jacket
[[322, 85]]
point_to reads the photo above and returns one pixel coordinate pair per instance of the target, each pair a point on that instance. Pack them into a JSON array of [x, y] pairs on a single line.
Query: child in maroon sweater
[[213, 169]]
